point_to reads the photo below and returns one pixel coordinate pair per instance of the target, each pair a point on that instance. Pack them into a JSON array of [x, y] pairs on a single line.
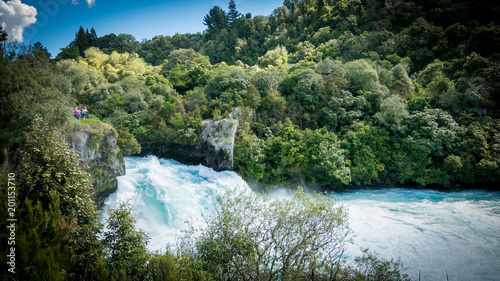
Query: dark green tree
[[3, 38], [40, 51], [93, 39], [233, 13], [27, 86], [126, 246], [82, 40], [215, 20], [58, 236], [70, 52]]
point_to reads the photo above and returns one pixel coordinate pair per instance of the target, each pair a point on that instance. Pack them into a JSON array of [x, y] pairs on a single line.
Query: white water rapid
[[433, 232]]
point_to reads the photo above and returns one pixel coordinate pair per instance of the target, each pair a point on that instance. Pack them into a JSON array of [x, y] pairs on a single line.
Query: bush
[[249, 237]]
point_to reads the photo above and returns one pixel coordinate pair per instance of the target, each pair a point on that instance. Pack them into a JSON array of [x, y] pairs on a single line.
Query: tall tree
[[82, 40], [3, 38], [216, 19], [93, 38], [125, 243], [3, 34], [40, 51], [233, 13]]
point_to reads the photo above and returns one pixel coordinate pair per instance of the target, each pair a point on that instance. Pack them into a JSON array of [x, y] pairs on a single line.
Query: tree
[[233, 13], [70, 52], [40, 52], [392, 114], [251, 237], [82, 40], [305, 85], [249, 157], [127, 142], [44, 242], [215, 20], [369, 149], [369, 267], [48, 164], [93, 39], [27, 86], [55, 189], [184, 68], [3, 38], [362, 76], [125, 244], [277, 56], [333, 163]]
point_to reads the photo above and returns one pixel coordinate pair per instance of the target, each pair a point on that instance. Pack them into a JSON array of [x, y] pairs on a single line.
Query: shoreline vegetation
[[330, 93]]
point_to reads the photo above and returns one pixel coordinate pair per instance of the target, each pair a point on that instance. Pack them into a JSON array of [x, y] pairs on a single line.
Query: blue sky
[[57, 21]]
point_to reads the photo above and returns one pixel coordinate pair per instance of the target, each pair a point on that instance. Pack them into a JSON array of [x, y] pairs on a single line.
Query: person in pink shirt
[[76, 112]]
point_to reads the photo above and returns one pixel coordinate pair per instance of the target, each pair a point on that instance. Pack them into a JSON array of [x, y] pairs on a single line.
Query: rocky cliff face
[[97, 148], [217, 138], [216, 149]]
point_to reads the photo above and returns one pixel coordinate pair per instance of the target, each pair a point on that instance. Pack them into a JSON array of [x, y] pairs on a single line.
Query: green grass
[[91, 120]]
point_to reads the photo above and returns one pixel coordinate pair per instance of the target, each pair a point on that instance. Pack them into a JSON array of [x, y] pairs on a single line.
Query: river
[[433, 233]]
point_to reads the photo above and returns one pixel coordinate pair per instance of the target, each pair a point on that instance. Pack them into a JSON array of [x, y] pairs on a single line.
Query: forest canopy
[[339, 93]]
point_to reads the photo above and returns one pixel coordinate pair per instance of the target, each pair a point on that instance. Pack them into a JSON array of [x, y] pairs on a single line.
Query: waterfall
[[432, 232]]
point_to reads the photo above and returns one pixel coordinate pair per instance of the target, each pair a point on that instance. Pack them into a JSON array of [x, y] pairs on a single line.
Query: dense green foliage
[[58, 222], [351, 92], [248, 238], [126, 246], [332, 93]]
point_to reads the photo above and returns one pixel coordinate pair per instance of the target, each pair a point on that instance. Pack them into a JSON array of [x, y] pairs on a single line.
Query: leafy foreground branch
[[252, 237]]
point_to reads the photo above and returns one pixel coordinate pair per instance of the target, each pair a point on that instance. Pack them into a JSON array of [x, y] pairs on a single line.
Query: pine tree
[[93, 38], [3, 34], [81, 40], [216, 19], [233, 13], [3, 39]]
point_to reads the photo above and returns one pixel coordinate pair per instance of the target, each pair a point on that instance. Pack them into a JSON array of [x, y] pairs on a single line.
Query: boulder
[[217, 138]]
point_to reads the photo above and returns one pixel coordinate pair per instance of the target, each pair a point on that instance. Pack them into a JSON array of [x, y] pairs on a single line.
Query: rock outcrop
[[97, 149], [216, 146], [217, 138]]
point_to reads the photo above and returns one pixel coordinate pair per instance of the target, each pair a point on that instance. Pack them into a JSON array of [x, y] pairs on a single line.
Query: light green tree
[[333, 162], [392, 114], [126, 246], [362, 76], [251, 237], [277, 56]]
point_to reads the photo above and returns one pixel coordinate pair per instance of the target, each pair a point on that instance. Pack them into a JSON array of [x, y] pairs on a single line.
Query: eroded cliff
[[97, 149]]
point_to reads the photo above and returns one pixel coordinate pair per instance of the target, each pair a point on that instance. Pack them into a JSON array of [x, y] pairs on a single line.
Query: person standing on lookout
[[76, 112], [84, 112]]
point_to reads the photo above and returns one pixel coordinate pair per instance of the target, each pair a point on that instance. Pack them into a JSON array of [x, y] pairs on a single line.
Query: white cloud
[[14, 17], [89, 2]]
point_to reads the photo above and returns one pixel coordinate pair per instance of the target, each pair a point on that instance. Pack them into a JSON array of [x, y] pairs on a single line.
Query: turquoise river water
[[433, 233]]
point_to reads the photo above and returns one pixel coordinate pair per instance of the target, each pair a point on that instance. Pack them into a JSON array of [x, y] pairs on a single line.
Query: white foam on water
[[165, 194], [433, 232]]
